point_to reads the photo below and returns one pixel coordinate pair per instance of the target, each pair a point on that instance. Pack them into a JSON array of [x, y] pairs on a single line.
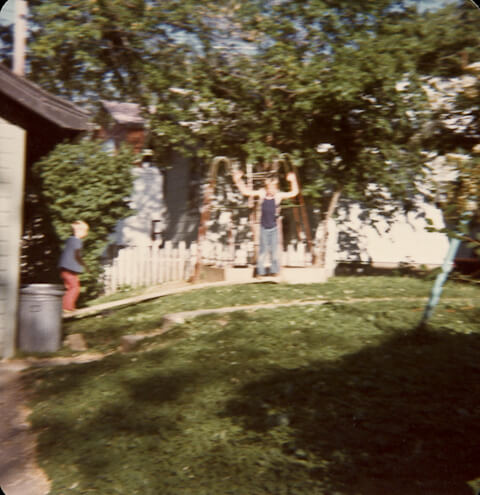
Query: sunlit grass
[[103, 331]]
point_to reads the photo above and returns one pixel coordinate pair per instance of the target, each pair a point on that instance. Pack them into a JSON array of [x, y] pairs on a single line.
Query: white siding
[[147, 201], [407, 240], [12, 159]]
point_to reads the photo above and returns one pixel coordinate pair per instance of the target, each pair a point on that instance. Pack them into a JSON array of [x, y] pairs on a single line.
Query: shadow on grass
[[105, 409], [399, 418], [102, 332], [358, 268]]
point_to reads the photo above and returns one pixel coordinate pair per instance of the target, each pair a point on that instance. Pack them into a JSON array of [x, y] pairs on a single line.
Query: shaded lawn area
[[337, 399]]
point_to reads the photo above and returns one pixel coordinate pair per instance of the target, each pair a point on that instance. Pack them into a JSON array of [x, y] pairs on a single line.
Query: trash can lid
[[50, 289]]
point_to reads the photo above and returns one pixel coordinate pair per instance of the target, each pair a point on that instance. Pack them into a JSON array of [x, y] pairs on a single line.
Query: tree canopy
[[257, 78]]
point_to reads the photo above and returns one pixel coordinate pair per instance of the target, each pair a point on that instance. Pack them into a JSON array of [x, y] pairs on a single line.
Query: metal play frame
[[269, 170]]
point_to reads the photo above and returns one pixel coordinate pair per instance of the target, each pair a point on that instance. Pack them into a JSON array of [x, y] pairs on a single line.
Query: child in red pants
[[71, 264]]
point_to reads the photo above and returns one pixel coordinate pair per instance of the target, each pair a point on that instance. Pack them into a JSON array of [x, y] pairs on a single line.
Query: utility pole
[[20, 37]]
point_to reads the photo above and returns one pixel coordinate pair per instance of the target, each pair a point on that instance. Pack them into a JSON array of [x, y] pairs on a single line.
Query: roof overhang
[[34, 99], [123, 113]]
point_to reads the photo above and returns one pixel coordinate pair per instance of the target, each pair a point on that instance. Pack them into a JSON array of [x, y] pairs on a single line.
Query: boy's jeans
[[268, 245]]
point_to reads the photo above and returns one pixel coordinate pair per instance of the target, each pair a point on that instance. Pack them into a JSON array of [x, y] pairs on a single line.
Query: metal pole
[[440, 280], [443, 275]]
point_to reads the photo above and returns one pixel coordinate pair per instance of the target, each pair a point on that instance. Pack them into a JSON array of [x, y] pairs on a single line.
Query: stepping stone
[[75, 342], [130, 342]]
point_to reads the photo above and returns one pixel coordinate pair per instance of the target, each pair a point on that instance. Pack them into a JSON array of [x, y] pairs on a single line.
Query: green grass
[[336, 399], [103, 331]]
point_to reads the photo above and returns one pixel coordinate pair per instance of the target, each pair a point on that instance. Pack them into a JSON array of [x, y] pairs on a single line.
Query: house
[[32, 122], [352, 240], [405, 239], [163, 198], [122, 122]]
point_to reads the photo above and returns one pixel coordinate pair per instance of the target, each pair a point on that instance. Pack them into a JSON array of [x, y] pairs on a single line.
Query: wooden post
[[206, 208], [20, 37], [253, 214], [304, 216]]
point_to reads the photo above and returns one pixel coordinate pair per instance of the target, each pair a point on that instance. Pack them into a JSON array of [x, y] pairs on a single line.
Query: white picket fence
[[144, 266]]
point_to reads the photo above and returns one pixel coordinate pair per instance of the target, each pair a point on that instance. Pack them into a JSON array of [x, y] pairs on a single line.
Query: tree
[[82, 182], [294, 76], [350, 79], [321, 74], [6, 43], [107, 49], [449, 39], [453, 131]]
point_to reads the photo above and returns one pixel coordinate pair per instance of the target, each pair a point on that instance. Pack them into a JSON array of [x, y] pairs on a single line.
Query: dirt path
[[19, 473]]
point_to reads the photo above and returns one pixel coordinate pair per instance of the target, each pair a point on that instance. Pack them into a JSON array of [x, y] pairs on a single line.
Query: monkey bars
[[268, 170]]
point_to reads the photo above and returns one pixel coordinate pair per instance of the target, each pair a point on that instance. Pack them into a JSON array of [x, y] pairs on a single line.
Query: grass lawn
[[345, 398]]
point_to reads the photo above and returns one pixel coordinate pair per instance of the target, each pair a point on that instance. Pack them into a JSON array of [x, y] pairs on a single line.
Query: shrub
[[83, 182]]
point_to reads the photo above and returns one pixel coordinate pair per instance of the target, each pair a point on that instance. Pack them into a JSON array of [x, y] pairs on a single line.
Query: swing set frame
[[268, 170]]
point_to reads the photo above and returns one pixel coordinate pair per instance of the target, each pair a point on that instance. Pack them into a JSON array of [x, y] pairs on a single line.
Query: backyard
[[341, 396]]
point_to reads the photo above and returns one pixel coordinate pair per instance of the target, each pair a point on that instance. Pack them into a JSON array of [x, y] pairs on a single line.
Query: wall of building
[[182, 194], [174, 197], [404, 240], [148, 202], [12, 159]]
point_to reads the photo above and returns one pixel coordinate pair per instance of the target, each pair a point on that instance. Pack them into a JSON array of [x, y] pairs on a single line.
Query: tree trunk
[[322, 248]]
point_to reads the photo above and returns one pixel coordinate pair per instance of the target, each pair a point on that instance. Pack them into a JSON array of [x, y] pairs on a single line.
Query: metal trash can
[[40, 317]]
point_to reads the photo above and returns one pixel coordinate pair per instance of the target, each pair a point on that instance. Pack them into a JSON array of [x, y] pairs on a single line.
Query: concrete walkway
[[156, 292]]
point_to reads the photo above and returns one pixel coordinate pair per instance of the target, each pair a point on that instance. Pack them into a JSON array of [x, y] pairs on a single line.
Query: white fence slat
[[119, 266], [147, 267], [138, 260], [168, 261], [175, 263], [138, 266], [154, 267], [301, 254], [163, 266], [182, 254], [192, 259], [290, 254], [131, 274], [134, 267]]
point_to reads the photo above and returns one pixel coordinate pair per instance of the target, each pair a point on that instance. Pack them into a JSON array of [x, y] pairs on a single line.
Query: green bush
[[83, 182]]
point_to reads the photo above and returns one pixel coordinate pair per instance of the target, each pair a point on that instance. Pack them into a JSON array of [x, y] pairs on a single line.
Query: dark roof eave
[[57, 110]]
